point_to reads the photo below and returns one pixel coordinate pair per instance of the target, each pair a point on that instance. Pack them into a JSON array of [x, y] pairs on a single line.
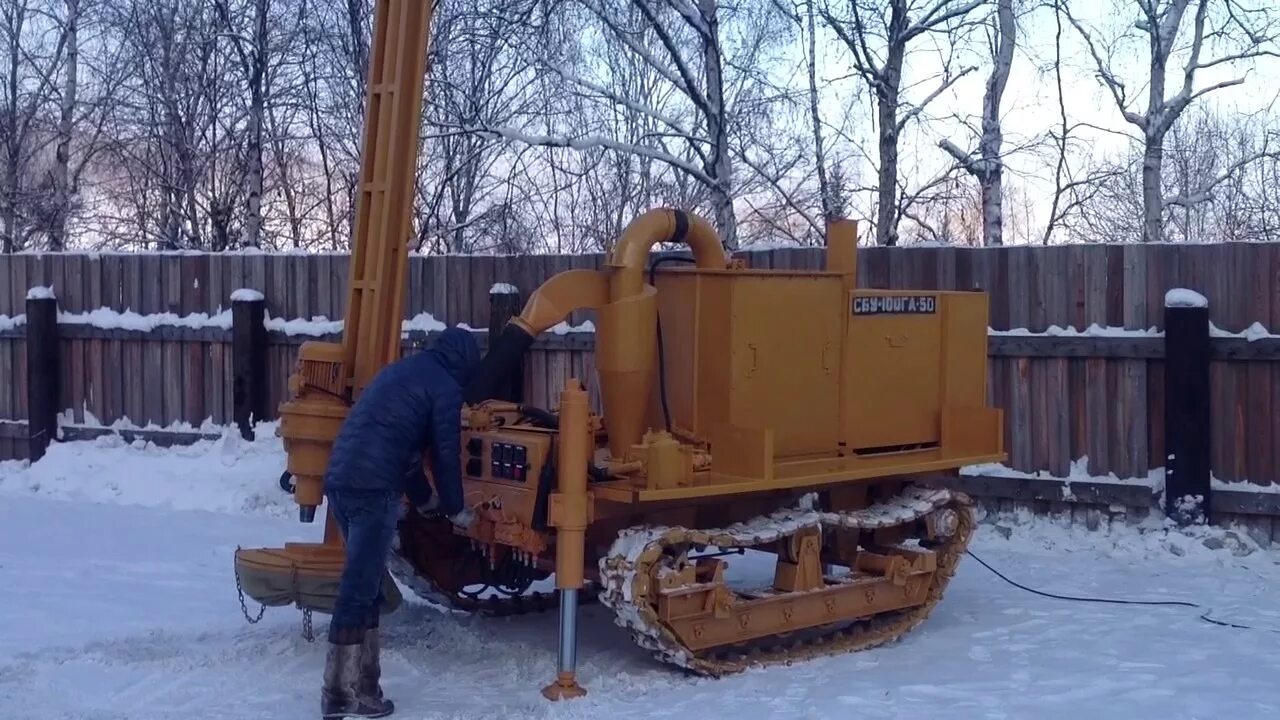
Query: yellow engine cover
[[822, 367]]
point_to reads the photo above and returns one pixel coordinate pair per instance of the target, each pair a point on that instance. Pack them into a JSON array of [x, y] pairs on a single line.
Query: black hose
[[540, 418], [492, 380], [1205, 616], [662, 359], [597, 473]]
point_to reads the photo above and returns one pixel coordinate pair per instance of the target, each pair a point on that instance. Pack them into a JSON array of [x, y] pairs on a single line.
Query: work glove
[[463, 519]]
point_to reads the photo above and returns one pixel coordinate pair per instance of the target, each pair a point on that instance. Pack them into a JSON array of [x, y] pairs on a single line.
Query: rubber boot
[[341, 696], [371, 668]]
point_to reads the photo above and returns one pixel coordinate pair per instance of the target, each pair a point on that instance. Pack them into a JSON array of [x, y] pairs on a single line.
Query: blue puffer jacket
[[411, 404]]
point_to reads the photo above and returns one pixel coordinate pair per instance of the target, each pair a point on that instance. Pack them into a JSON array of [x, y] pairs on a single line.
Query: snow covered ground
[[117, 601]]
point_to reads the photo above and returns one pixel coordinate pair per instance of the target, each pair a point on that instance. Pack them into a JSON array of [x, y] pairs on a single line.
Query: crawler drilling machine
[[778, 414]]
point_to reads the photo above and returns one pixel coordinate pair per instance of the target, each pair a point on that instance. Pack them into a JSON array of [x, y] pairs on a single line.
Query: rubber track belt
[[626, 571]]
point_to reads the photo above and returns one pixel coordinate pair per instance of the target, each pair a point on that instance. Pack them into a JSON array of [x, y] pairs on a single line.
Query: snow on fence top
[[1182, 297], [1254, 332], [246, 295], [563, 328], [1093, 330], [503, 289], [1079, 472], [106, 318], [40, 293]]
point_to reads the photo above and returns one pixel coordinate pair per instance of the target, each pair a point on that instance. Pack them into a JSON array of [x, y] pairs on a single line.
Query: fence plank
[[8, 403], [1275, 423], [1079, 418], [457, 306], [340, 268], [480, 279], [22, 402], [999, 266]]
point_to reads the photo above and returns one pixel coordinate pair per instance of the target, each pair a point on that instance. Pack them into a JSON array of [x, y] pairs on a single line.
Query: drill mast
[[384, 197], [329, 377]]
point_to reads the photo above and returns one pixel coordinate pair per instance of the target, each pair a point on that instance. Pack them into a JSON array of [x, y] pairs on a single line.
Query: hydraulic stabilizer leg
[[569, 514]]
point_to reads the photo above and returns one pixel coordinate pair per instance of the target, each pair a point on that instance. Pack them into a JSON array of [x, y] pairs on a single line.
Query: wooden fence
[[1067, 397]]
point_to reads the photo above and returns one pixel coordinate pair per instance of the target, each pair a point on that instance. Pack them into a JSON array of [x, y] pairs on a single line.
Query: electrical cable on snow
[[1205, 616]]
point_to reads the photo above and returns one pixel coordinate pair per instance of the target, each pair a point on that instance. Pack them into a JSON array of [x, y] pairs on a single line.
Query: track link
[[640, 553]]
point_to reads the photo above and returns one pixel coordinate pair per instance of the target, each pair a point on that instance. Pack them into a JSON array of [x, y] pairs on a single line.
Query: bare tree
[[478, 78], [1075, 183], [698, 77], [33, 48], [1223, 34], [987, 165], [66, 122], [878, 34], [252, 50], [710, 87]]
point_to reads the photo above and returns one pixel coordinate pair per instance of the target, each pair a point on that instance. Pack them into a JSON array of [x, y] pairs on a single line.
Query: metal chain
[[308, 630], [308, 633], [243, 608]]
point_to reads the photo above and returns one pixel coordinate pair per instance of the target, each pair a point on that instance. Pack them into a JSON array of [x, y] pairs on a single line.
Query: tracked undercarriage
[[686, 614], [846, 580]]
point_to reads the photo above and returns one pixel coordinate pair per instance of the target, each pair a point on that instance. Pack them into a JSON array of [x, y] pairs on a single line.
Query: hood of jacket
[[457, 352]]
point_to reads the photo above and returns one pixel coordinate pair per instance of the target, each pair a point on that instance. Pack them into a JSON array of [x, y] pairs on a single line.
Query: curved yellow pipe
[[628, 257], [562, 294], [626, 312]]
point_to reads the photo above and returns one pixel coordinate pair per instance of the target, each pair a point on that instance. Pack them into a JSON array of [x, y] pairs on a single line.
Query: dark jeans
[[368, 524]]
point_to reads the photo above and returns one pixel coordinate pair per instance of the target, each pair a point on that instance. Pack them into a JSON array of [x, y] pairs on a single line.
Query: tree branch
[[584, 143]]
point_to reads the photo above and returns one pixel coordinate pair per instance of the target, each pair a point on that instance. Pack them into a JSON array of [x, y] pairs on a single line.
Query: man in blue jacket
[[410, 404]]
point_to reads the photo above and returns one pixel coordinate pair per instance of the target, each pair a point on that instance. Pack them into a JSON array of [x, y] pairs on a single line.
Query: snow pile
[[128, 320], [40, 293], [320, 325], [317, 326], [1184, 298], [228, 475], [1094, 330], [1079, 472], [66, 418], [1243, 486], [503, 289], [564, 328], [1253, 333], [246, 295], [9, 323], [1152, 538], [423, 322]]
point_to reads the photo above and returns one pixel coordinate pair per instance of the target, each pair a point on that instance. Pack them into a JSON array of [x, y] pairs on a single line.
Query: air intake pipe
[[627, 332], [626, 319]]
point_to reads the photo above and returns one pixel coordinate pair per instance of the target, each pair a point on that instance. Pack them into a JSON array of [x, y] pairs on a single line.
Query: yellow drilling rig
[[783, 412]]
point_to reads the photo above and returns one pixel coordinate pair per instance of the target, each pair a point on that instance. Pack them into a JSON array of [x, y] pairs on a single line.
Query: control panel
[[503, 471], [506, 456]]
